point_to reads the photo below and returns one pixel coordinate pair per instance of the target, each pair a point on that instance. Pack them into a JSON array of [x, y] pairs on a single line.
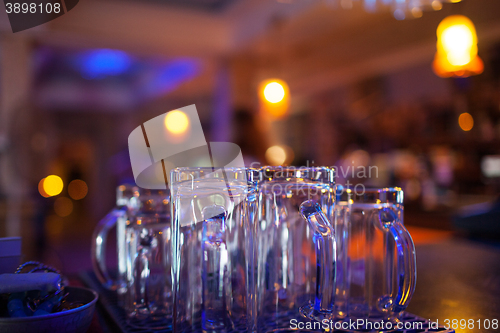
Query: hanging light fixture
[[456, 54]]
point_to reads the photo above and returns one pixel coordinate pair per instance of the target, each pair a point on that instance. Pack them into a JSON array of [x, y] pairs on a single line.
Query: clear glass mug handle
[[406, 263], [325, 245], [98, 248], [141, 281]]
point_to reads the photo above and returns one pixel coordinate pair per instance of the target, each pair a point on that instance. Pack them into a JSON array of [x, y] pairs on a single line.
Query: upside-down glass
[[294, 257], [378, 261], [211, 211]]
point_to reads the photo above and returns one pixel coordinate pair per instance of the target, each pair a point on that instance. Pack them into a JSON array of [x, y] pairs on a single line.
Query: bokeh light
[[96, 64], [436, 5], [457, 48], [465, 121], [63, 206], [416, 12], [176, 122], [490, 166], [52, 185], [360, 157], [41, 190], [274, 97], [275, 155], [77, 189], [457, 41], [274, 92], [279, 155]]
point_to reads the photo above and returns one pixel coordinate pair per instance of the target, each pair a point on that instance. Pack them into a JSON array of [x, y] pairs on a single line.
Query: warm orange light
[[274, 97], [176, 122], [274, 92], [275, 155], [52, 185], [436, 5], [63, 206], [41, 190], [77, 189], [457, 48], [279, 155], [465, 121], [416, 12]]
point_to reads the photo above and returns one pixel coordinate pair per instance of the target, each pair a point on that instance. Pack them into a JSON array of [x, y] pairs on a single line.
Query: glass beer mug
[[295, 248], [377, 264], [142, 220], [149, 297], [211, 211], [130, 201], [115, 218]]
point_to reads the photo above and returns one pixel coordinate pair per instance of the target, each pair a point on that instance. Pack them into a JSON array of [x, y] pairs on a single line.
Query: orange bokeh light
[[63, 206], [457, 48], [274, 98], [465, 121], [41, 190], [77, 189]]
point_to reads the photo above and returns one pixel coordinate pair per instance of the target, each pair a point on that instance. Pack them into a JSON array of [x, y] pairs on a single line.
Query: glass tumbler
[[295, 249], [211, 211], [378, 262]]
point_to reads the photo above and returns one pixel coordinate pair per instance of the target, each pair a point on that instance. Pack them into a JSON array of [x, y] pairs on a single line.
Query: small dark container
[[76, 320]]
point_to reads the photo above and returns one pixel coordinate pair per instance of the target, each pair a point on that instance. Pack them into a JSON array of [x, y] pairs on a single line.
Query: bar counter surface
[[458, 278]]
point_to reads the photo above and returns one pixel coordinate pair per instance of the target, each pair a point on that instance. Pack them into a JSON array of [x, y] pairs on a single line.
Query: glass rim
[[179, 169], [395, 189], [315, 173], [371, 195], [181, 177]]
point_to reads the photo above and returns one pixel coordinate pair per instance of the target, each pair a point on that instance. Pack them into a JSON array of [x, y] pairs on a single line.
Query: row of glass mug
[[253, 249]]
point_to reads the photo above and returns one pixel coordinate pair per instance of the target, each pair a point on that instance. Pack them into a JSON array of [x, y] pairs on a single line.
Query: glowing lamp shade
[[274, 97], [176, 122], [457, 48]]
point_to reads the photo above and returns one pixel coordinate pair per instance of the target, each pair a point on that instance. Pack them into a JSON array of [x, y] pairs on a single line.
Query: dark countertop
[[458, 279]]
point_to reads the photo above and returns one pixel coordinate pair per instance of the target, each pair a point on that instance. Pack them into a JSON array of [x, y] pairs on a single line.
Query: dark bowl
[[76, 320]]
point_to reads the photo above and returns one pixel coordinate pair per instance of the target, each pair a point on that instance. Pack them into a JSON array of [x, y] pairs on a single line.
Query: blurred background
[[360, 94]]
